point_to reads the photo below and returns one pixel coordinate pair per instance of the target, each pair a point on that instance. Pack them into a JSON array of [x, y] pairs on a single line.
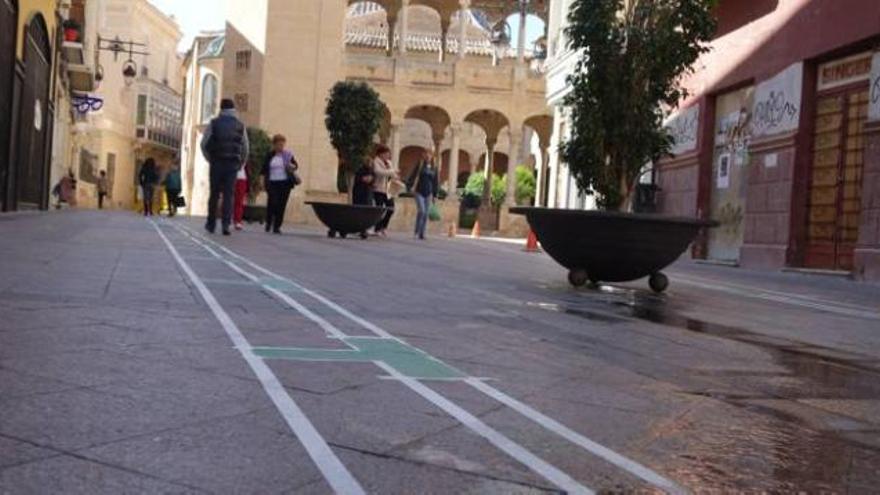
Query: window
[[209, 98], [243, 60], [142, 110], [241, 102]]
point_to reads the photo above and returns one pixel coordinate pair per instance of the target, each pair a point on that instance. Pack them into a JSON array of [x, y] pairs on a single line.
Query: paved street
[[147, 357]]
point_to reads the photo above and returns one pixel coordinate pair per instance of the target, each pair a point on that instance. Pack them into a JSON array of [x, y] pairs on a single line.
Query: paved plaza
[[141, 356]]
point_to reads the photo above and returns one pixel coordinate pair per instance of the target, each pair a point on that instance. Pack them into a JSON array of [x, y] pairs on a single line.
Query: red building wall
[[757, 40]]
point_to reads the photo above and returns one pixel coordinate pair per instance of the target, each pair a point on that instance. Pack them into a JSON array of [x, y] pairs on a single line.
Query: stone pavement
[[140, 357]]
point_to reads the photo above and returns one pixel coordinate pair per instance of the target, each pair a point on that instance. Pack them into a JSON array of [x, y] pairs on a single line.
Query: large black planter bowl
[[343, 219], [254, 214], [600, 246]]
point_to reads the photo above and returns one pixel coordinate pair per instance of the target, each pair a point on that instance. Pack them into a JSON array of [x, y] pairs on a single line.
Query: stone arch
[[491, 121], [409, 157]]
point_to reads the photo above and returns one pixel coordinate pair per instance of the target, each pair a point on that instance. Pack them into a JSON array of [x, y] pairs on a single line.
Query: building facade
[[28, 54], [779, 140], [141, 115]]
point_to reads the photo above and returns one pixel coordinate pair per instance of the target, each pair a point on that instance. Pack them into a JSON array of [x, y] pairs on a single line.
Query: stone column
[[396, 145], [521, 39], [438, 155], [453, 159], [543, 176], [404, 28], [392, 26], [444, 33], [516, 137], [490, 156], [463, 18]]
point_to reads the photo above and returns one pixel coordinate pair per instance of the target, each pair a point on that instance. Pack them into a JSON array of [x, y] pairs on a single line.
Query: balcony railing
[[159, 118]]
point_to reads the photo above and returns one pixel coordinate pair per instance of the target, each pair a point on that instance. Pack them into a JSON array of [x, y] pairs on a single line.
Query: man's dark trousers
[[222, 182]]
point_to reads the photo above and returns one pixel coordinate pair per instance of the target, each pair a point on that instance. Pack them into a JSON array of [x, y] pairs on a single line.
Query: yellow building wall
[[27, 9]]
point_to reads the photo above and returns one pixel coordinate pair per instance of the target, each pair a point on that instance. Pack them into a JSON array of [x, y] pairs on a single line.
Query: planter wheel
[[331, 234], [343, 235], [578, 277], [364, 236], [658, 282]]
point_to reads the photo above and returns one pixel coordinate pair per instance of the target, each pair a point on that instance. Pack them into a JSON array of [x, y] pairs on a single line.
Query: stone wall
[[678, 181], [768, 204]]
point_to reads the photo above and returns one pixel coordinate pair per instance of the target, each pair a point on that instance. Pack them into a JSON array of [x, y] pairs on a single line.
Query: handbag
[[291, 168], [180, 202], [434, 213]]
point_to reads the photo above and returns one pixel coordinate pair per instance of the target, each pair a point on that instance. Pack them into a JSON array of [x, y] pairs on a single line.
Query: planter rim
[[345, 205], [641, 217]]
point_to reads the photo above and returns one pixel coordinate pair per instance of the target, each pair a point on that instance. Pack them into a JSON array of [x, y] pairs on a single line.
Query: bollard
[[476, 231]]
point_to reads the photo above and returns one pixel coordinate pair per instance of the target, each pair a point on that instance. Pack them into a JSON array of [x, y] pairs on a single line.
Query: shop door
[[9, 25], [835, 198], [730, 174], [34, 123]]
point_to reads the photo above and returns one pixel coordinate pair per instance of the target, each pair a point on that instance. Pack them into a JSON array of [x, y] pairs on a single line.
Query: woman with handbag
[[425, 186], [385, 176], [173, 188], [280, 177]]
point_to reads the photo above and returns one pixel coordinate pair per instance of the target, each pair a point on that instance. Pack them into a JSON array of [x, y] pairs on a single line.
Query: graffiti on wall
[[777, 107], [874, 102], [683, 127]]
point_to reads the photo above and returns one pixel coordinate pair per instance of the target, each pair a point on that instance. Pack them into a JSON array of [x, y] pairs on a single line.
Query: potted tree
[[353, 117], [634, 55], [260, 145]]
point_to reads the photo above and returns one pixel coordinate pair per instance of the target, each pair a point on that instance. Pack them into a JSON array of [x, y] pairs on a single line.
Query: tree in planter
[[629, 76], [260, 145], [353, 117]]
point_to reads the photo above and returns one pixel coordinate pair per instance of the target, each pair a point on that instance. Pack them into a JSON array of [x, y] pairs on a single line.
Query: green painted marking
[[281, 285], [405, 359]]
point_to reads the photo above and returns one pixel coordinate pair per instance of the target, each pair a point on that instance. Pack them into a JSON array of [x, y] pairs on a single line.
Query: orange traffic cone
[[476, 231], [532, 243]]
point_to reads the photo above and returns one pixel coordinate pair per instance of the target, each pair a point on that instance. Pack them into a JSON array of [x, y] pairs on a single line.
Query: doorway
[[35, 120], [9, 25], [835, 191]]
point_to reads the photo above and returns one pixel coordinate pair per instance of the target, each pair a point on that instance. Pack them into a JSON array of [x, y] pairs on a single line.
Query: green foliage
[[499, 189], [629, 76], [526, 185], [353, 116], [475, 184], [260, 145]]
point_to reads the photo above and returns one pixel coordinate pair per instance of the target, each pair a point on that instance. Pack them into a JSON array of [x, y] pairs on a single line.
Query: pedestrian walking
[[225, 146], [384, 172], [65, 191], [280, 177], [103, 189], [425, 186], [242, 181], [148, 178], [173, 188]]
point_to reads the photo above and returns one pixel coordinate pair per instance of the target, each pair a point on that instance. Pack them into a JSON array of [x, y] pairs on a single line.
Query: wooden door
[[35, 120], [835, 198], [8, 25]]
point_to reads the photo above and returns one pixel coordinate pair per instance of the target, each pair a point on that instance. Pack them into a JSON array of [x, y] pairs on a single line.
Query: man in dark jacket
[[225, 146]]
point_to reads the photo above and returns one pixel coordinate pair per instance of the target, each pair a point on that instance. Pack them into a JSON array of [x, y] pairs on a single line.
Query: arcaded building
[[446, 86]]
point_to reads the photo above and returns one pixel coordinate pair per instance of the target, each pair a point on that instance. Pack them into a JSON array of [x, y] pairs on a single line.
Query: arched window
[[209, 98]]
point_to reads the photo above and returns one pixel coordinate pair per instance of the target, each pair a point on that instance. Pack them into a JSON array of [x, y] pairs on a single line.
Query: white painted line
[[773, 296], [576, 438], [548, 423], [324, 324], [336, 474], [506, 445]]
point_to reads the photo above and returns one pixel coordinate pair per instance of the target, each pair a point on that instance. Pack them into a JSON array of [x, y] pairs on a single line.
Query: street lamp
[[117, 46]]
